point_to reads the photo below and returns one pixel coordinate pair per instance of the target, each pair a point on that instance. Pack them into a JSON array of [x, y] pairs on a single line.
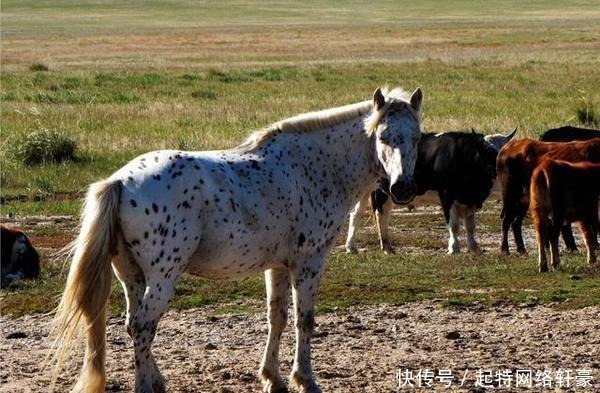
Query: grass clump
[[204, 94], [38, 67], [44, 146], [587, 114]]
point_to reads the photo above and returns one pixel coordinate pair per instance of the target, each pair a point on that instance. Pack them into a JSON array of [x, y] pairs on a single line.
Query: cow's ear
[[511, 135], [378, 99], [416, 99]]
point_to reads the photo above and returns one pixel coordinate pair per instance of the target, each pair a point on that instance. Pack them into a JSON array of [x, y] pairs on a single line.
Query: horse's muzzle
[[404, 190]]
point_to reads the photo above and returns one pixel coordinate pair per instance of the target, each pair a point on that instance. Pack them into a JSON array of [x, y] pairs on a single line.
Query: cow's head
[[499, 140]]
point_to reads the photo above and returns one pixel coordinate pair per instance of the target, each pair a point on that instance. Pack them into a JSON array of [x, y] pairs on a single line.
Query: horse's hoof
[[389, 251], [351, 250]]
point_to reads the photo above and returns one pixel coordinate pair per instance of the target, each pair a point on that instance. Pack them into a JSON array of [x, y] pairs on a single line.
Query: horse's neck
[[350, 155]]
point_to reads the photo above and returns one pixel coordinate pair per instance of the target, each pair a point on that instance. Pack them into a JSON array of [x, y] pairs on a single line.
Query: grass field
[[125, 79]]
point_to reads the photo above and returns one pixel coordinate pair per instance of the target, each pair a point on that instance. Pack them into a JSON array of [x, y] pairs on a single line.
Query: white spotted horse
[[275, 204]]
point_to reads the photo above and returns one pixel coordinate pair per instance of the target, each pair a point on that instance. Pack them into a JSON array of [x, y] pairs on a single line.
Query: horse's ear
[[378, 99], [510, 136], [416, 99]]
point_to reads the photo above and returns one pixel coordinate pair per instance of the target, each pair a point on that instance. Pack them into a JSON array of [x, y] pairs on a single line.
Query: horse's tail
[[88, 287]]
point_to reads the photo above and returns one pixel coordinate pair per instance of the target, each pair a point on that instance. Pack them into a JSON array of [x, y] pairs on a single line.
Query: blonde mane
[[311, 121]]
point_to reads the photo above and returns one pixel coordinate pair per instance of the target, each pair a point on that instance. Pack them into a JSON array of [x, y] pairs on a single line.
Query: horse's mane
[[311, 121]]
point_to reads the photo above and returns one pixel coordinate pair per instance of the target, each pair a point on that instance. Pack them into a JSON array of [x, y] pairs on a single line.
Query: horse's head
[[396, 128]]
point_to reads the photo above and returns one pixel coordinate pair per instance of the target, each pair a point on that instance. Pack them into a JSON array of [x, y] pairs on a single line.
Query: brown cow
[[515, 165], [564, 192], [19, 258]]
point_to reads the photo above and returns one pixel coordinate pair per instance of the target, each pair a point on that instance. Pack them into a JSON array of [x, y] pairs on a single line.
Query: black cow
[[19, 258], [461, 167], [569, 134]]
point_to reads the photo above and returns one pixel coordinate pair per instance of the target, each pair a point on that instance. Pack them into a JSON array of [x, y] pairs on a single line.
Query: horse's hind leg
[[142, 328], [278, 284], [306, 275], [147, 300]]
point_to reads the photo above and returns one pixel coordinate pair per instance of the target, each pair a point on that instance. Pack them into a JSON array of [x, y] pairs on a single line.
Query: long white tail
[[86, 294]]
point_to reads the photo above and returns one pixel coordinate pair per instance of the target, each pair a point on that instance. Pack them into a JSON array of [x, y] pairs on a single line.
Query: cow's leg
[[541, 227], [382, 215], [567, 234], [517, 226], [508, 217], [470, 229], [277, 282], [354, 222], [306, 275], [554, 237], [453, 229], [589, 236]]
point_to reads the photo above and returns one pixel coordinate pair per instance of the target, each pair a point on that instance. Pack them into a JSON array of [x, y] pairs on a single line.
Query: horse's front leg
[[277, 284], [353, 223], [306, 275]]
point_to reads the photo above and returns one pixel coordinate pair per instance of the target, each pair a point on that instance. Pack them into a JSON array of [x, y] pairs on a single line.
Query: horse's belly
[[226, 262]]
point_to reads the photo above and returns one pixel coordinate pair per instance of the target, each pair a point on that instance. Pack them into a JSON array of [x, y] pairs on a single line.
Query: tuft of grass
[[43, 146], [204, 94], [587, 114], [37, 67]]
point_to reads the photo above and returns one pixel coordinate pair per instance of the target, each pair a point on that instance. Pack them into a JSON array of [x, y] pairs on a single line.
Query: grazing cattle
[[19, 259], [569, 134], [274, 204], [460, 166], [564, 192], [516, 162]]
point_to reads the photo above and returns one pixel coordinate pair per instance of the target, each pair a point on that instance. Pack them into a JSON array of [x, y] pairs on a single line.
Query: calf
[[569, 134], [19, 258], [460, 166], [564, 192], [516, 162]]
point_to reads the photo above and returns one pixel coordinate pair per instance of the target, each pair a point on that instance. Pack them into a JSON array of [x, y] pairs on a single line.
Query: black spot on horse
[[301, 240]]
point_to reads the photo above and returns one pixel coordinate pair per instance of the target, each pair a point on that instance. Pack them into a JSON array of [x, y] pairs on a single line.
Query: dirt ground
[[360, 350]]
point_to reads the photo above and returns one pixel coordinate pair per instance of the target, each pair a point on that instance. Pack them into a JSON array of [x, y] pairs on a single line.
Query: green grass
[[114, 116], [369, 278]]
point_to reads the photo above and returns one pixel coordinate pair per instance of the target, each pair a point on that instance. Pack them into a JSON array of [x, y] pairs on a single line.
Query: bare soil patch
[[359, 350]]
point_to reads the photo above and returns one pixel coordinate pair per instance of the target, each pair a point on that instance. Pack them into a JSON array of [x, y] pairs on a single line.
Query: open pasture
[[126, 79]]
